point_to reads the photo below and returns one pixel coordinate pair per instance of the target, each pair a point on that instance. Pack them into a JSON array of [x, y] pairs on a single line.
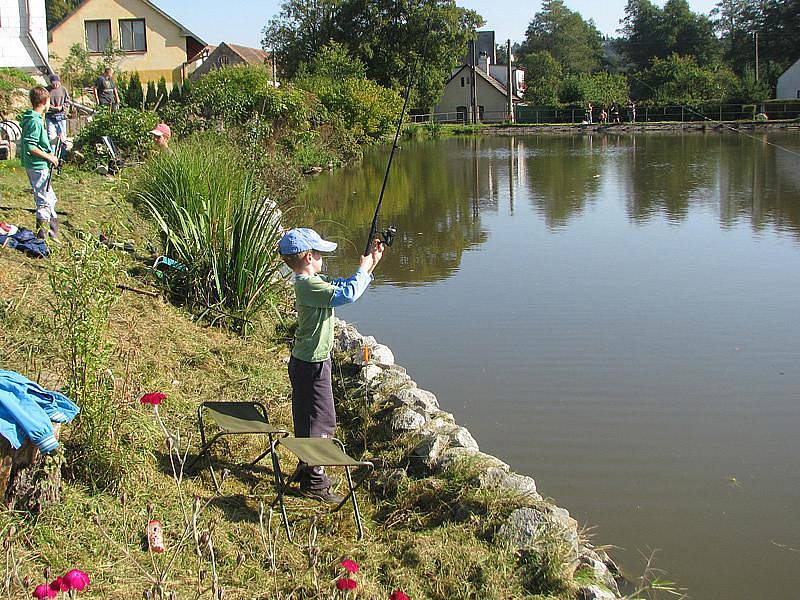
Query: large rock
[[595, 592], [481, 460], [460, 437], [406, 419], [519, 485], [370, 372], [531, 526], [600, 571], [346, 337], [430, 448], [392, 380], [381, 354], [415, 398]]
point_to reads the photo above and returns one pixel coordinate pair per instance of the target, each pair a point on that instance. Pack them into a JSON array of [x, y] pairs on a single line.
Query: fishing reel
[[388, 235]]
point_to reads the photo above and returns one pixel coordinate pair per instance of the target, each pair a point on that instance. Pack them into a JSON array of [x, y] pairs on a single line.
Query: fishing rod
[[390, 232], [59, 154]]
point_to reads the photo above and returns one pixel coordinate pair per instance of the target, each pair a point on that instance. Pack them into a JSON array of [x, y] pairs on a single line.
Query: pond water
[[615, 315]]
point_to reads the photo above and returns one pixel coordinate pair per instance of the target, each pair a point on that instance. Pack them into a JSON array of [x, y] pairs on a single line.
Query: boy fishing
[[39, 161], [313, 411]]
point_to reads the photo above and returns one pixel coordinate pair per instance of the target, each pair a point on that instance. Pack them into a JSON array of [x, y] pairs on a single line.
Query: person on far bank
[[161, 134], [39, 161], [56, 117], [105, 90], [313, 410]]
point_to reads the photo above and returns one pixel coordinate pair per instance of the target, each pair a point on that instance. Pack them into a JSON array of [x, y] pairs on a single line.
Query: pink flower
[[153, 398], [44, 591], [59, 585], [76, 580], [398, 595], [350, 566], [344, 584]]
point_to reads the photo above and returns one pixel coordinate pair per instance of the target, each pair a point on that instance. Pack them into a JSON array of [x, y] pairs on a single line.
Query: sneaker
[[327, 495]]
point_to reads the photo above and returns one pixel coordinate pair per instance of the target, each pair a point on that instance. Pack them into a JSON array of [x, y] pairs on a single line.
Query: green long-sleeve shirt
[[34, 135]]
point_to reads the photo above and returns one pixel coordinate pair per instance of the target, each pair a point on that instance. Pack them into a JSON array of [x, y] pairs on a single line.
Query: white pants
[[56, 130], [43, 194]]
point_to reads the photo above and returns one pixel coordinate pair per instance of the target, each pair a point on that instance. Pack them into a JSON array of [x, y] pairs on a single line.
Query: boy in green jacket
[[36, 157]]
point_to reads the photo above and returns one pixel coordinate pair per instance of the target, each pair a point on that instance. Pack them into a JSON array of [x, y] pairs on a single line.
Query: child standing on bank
[[37, 156], [316, 296]]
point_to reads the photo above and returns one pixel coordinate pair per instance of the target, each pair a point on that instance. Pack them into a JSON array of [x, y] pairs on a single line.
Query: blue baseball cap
[[302, 239]]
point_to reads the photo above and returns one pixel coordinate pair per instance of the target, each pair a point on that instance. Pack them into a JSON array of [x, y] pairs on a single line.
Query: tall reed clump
[[83, 279], [218, 224]]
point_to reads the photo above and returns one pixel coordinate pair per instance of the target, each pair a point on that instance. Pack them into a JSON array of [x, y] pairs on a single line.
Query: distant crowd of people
[[612, 115]]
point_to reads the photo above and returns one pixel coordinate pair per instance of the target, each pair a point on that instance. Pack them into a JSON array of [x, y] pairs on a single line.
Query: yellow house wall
[[166, 48]]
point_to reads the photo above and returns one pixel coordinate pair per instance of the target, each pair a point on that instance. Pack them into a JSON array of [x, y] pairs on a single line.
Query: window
[[462, 82], [132, 36], [223, 61], [98, 35], [798, 94]]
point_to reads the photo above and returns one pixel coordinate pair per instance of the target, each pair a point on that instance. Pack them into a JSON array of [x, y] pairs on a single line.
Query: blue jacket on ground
[[27, 409]]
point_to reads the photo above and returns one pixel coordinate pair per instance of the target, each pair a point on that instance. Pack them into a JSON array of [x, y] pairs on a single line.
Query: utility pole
[[510, 89], [473, 84], [756, 57]]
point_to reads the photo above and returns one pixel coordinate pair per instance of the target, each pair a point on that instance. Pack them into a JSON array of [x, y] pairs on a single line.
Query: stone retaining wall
[[408, 409]]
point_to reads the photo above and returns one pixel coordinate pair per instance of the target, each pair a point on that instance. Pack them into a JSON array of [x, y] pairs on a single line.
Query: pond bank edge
[[440, 442], [713, 126]]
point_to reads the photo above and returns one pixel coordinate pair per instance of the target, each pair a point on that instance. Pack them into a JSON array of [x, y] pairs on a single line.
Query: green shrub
[[150, 96], [128, 127], [218, 223], [235, 94], [134, 95], [162, 95], [17, 77], [182, 122], [83, 279], [367, 109]]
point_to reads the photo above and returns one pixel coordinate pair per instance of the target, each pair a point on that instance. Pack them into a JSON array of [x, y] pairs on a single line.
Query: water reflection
[[439, 191]]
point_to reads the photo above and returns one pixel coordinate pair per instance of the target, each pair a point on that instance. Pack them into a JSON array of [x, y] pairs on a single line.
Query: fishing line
[[720, 123], [710, 120], [389, 233]]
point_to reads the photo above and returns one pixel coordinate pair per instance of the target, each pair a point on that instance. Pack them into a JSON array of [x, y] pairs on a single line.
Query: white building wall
[[789, 83], [16, 50], [454, 96]]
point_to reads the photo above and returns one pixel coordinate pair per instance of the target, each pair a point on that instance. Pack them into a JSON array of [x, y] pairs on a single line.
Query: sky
[[241, 21]]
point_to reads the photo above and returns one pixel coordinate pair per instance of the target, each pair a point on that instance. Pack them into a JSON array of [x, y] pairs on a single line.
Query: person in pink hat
[[161, 135]]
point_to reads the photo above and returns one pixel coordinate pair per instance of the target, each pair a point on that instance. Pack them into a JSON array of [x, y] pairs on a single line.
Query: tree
[[161, 92], [543, 77], [150, 98], [690, 34], [134, 96], [601, 89], [776, 22], [388, 36], [576, 44], [175, 93], [650, 32], [643, 32], [186, 91], [78, 69], [56, 10], [680, 80], [333, 60]]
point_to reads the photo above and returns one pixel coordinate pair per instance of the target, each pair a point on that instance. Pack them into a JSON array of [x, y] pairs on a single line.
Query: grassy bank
[[419, 539]]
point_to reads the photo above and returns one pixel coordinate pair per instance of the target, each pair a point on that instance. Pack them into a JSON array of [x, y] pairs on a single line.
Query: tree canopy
[[651, 32], [387, 36], [574, 43]]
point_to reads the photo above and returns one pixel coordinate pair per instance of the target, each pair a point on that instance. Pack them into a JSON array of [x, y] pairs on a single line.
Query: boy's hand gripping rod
[[389, 233]]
